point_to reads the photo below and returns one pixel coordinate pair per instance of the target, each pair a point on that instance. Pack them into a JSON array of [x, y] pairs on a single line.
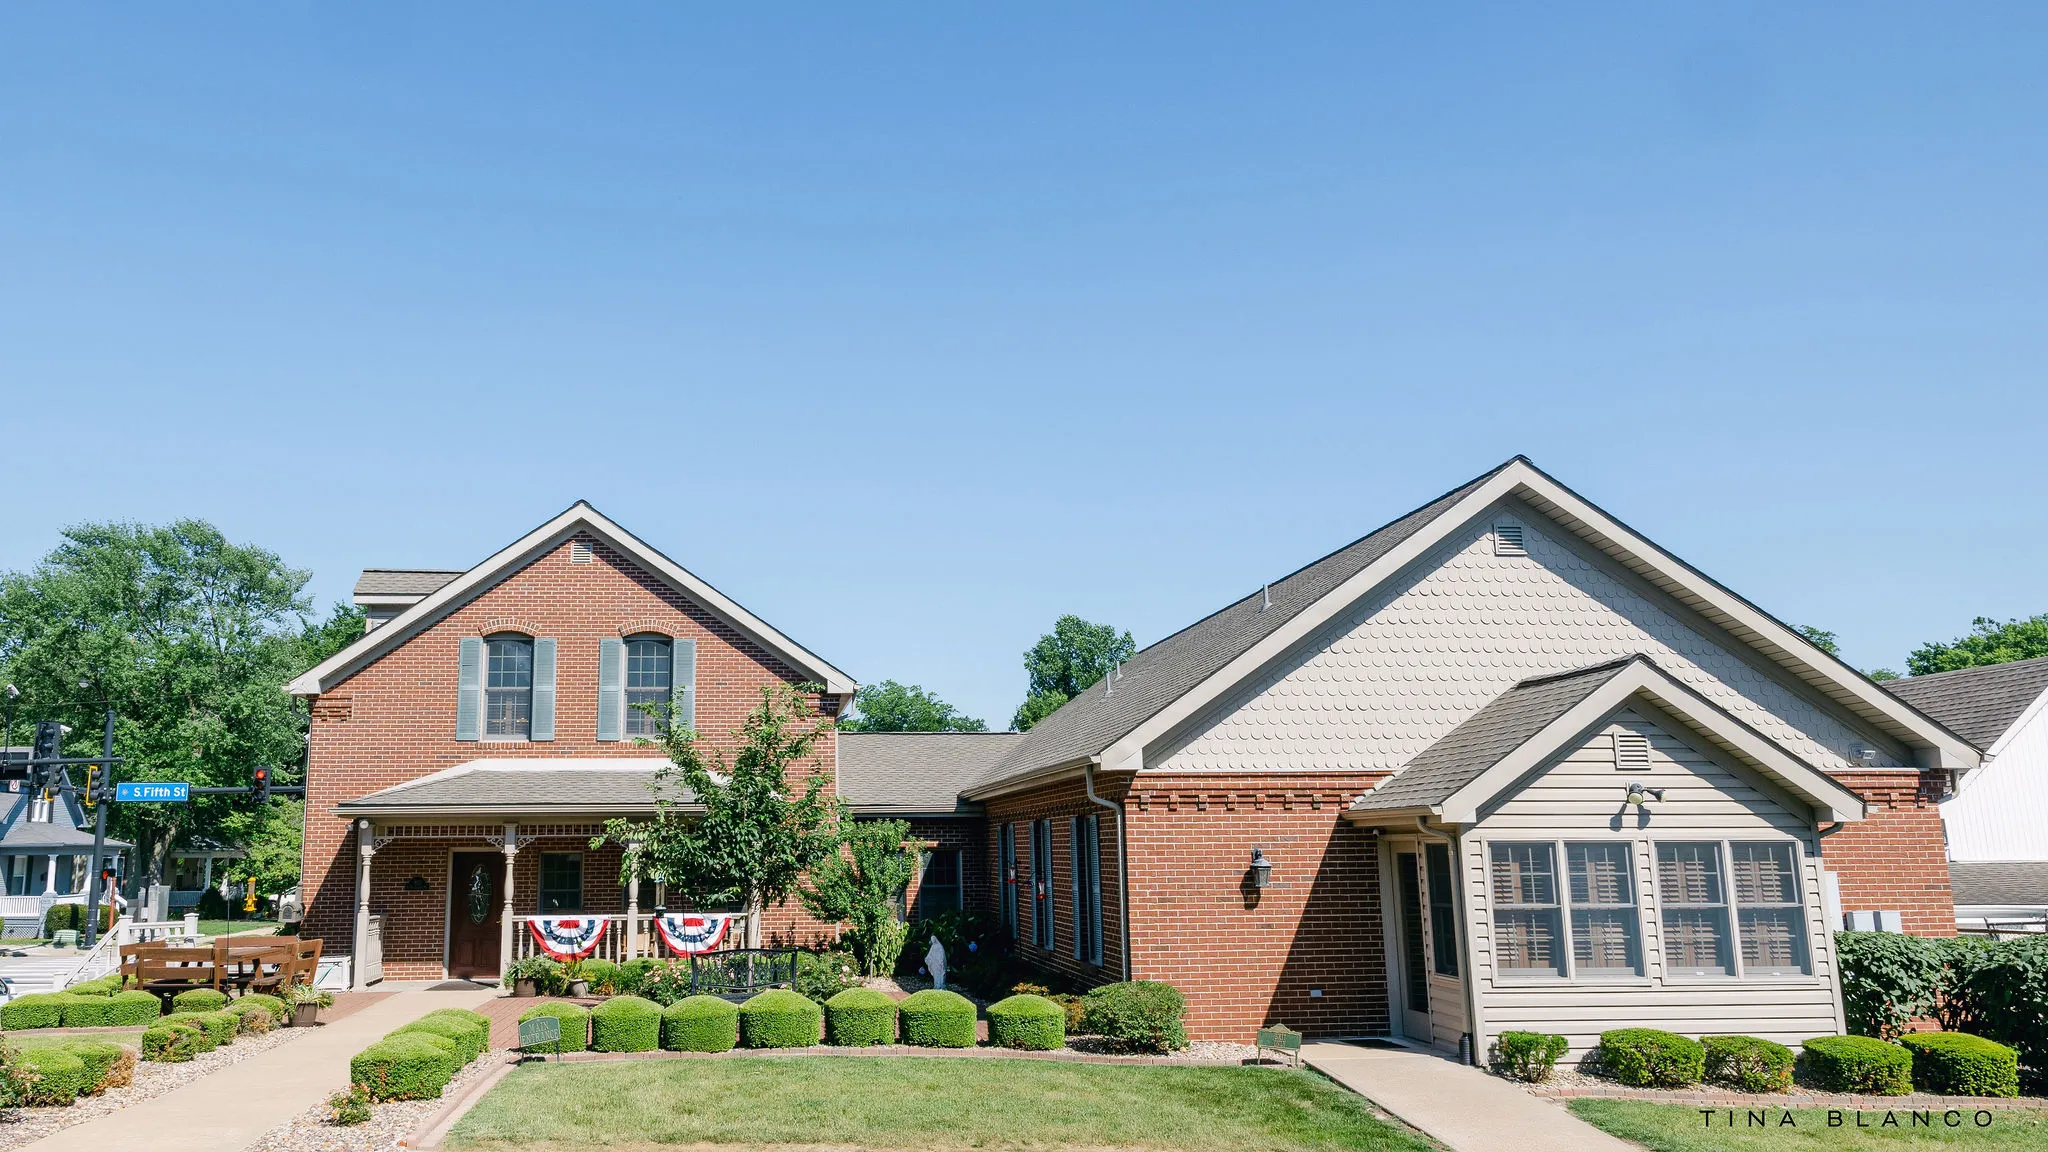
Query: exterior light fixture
[[1640, 794], [1262, 869]]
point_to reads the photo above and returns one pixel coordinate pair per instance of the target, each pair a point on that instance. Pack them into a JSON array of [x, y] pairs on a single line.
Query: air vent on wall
[[1631, 750], [1507, 540], [579, 552]]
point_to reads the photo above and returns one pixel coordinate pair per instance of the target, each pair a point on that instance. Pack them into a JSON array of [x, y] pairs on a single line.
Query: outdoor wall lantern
[[416, 884], [1640, 794], [1262, 869]]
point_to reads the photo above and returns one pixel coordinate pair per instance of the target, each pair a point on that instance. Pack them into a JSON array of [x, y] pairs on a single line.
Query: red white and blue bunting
[[688, 933], [567, 939]]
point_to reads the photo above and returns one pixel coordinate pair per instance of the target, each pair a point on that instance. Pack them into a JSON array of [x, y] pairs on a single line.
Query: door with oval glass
[[474, 913]]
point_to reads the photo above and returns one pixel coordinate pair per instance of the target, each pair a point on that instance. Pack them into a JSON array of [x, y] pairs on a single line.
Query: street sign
[[154, 791]]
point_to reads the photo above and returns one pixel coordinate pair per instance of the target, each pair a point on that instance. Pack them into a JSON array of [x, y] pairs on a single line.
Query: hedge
[[1136, 1016], [174, 1042], [35, 1010], [625, 1024], [1995, 989], [859, 1017], [87, 1011], [1748, 1063], [1530, 1056], [937, 1018], [107, 1065], [469, 1041], [221, 1027], [71, 918], [408, 1066], [1859, 1064], [1648, 1058], [198, 1000], [575, 1023], [279, 1011], [126, 1009], [477, 1018], [780, 1018], [701, 1024], [1959, 1064], [252, 1019], [60, 1076], [1030, 1022]]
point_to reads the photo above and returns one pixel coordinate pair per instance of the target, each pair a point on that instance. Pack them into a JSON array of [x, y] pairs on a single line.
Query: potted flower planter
[[525, 986], [305, 1015], [579, 987]]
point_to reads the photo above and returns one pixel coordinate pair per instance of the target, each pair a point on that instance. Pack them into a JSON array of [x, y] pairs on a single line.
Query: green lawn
[[921, 1103], [1681, 1128], [238, 927]]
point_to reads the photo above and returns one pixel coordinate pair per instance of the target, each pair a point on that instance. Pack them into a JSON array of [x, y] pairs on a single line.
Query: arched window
[[649, 672], [508, 686]]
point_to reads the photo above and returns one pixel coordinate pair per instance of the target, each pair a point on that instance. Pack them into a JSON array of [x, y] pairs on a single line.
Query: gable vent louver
[[1507, 540], [1631, 750], [580, 552]]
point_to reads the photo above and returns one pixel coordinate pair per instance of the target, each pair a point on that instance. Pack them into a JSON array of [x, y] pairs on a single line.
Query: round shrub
[[35, 1010], [1748, 1063], [127, 1009], [625, 1024], [603, 976], [202, 1035], [468, 1041], [701, 1024], [276, 1007], [1136, 1016], [254, 1019], [220, 1027], [779, 1018], [174, 1042], [1648, 1058], [936, 1018], [60, 1077], [476, 1018], [1029, 1022], [99, 1058], [859, 1017], [412, 1066], [198, 1000], [1959, 1064], [87, 1011], [575, 1023], [1530, 1056], [1859, 1064]]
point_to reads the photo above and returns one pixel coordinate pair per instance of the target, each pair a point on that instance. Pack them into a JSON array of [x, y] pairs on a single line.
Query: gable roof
[[580, 517], [1978, 704], [377, 582], [1538, 719], [1170, 682], [66, 828], [1999, 883], [916, 773], [486, 787]]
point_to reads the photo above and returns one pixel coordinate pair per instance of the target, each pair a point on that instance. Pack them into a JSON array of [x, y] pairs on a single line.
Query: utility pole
[[99, 775]]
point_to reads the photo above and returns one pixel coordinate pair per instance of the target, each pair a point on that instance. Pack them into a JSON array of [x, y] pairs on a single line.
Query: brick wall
[[1059, 803], [394, 721], [967, 835], [1896, 857]]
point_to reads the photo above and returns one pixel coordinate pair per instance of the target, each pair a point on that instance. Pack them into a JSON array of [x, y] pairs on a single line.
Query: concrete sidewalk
[[1466, 1109], [231, 1108]]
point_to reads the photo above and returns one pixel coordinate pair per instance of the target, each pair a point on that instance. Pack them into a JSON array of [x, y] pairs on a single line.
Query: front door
[[1411, 956], [474, 914]]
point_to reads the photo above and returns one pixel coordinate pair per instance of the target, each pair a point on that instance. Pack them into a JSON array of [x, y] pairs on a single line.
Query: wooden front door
[[474, 914]]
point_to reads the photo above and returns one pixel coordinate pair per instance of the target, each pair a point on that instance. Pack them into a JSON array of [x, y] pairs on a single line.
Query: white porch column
[[633, 912], [49, 876], [366, 847], [207, 869], [505, 937]]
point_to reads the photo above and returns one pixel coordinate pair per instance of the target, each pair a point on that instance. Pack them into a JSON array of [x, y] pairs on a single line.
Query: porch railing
[[625, 938]]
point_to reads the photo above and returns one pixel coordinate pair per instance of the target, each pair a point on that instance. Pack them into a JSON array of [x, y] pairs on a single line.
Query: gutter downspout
[[1474, 1025], [1123, 863]]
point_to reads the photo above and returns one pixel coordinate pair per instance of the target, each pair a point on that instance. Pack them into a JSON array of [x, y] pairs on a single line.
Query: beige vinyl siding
[[1446, 1011], [1579, 798]]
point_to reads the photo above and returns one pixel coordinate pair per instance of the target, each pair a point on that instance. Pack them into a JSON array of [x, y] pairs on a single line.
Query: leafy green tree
[[859, 887], [1989, 642], [275, 838], [892, 707], [190, 639], [1827, 642], [1066, 661], [754, 839]]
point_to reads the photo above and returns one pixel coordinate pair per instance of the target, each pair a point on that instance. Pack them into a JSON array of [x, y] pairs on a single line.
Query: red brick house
[[1501, 763]]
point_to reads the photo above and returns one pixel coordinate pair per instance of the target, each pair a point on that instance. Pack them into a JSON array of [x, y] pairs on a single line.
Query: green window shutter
[[611, 688], [543, 690], [469, 689], [683, 675]]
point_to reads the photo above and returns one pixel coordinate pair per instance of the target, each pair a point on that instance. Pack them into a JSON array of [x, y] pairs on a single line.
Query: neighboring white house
[[1997, 824]]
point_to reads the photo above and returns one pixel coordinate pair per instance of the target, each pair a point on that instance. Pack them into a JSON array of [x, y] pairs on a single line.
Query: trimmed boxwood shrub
[[701, 1024], [477, 1018], [937, 1018], [1959, 1064], [410, 1066], [100, 1058], [174, 1042], [104, 986], [198, 1000], [779, 1018], [1649, 1058], [60, 1076], [87, 1011], [461, 1033], [859, 1017], [1859, 1064], [220, 1027], [1748, 1063], [272, 1004], [1136, 1016], [625, 1024], [1029, 1022], [254, 1019], [1530, 1056], [35, 1010], [603, 976], [126, 1009], [575, 1023]]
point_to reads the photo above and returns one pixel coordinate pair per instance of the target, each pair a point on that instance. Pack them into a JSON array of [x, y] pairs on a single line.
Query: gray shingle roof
[[1169, 669], [916, 771], [1505, 724], [403, 581], [522, 785], [1978, 704], [1999, 883]]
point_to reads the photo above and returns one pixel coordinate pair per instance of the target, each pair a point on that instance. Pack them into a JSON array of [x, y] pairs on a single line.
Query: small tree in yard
[[860, 887], [754, 839]]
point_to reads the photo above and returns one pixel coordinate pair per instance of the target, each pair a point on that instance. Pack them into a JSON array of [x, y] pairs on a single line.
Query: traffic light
[[92, 783], [261, 785], [49, 746]]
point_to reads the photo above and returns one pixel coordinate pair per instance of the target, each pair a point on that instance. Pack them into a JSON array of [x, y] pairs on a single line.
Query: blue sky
[[914, 328]]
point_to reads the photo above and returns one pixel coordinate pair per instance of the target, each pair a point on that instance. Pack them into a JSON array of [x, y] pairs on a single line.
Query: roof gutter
[[1123, 864]]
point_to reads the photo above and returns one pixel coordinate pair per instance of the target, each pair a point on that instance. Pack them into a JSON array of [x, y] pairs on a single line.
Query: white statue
[[935, 962]]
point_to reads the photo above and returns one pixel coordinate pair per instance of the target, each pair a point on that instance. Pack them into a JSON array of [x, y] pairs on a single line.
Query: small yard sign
[[541, 1030], [154, 791], [1281, 1038]]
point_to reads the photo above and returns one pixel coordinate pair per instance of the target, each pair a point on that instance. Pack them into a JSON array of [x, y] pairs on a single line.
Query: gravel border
[[151, 1080], [387, 1127], [1584, 1082]]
